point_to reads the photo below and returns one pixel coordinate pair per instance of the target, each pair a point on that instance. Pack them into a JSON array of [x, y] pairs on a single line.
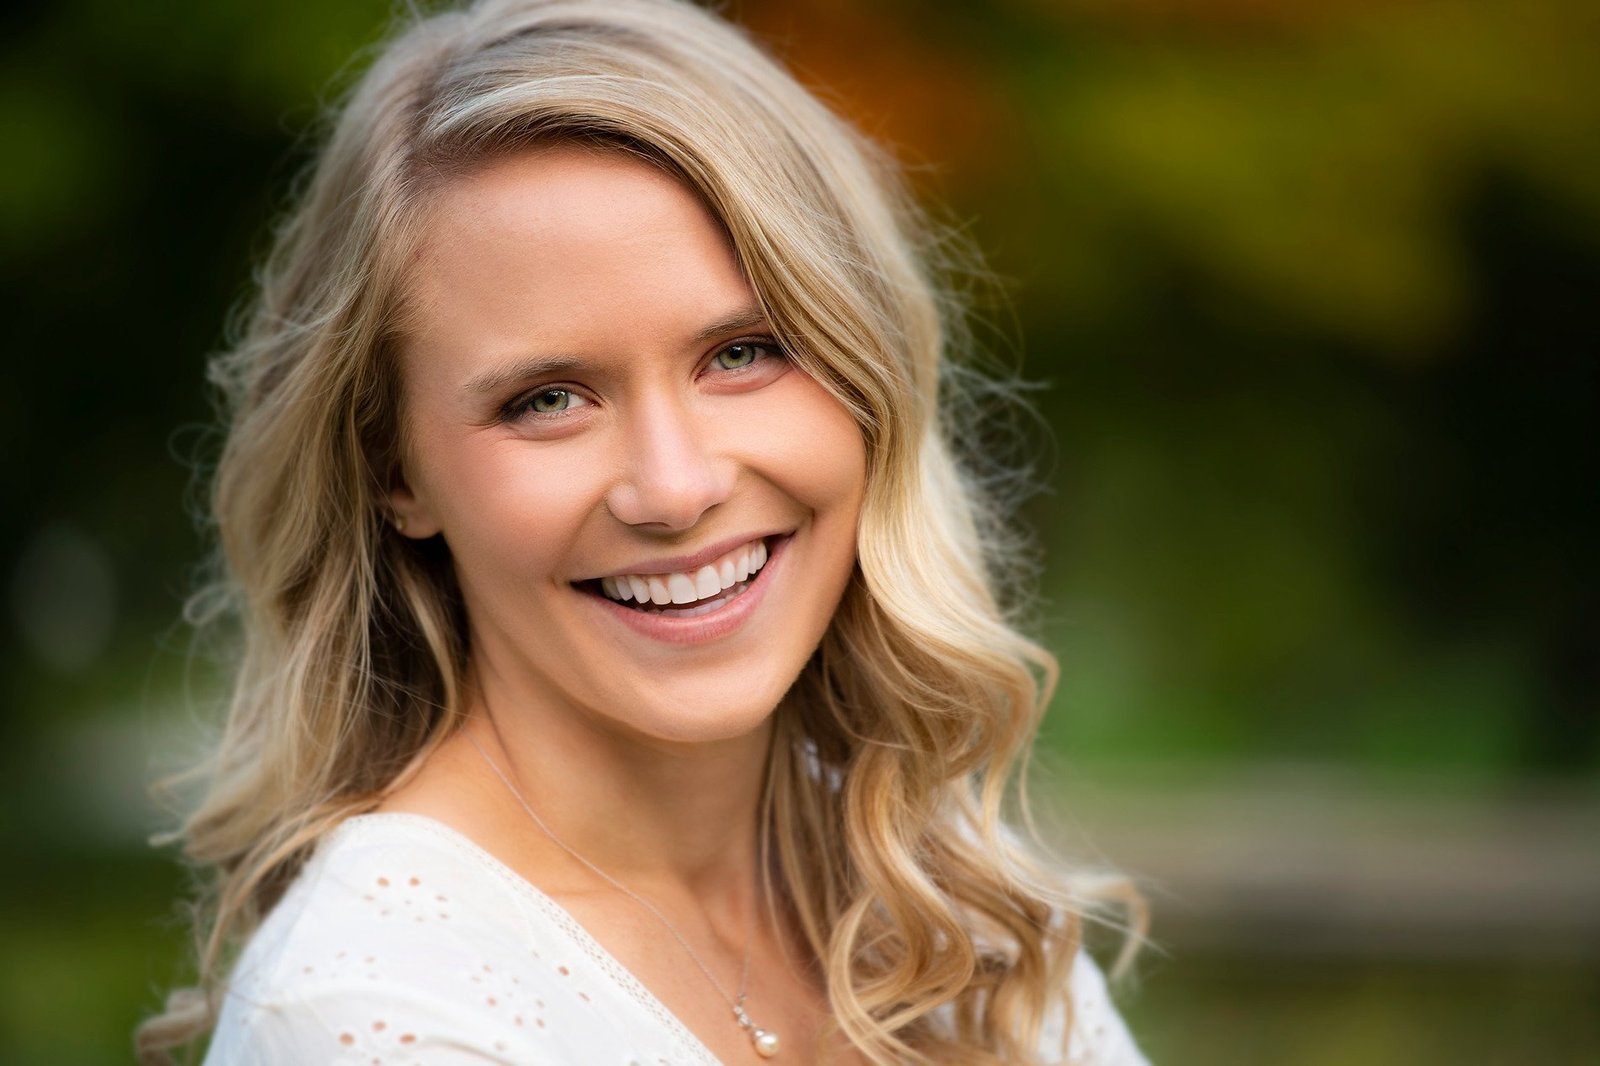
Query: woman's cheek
[[806, 440], [517, 501]]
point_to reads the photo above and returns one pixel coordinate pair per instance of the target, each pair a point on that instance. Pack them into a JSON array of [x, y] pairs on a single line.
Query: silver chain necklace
[[765, 1041]]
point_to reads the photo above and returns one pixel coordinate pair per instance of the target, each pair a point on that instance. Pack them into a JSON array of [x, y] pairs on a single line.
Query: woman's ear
[[409, 512]]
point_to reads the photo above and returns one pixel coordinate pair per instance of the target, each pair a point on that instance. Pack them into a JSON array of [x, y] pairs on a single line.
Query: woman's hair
[[939, 937]]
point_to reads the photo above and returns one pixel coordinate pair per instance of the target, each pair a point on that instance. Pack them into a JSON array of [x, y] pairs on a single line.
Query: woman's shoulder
[[384, 900], [1099, 1035], [368, 880], [400, 935]]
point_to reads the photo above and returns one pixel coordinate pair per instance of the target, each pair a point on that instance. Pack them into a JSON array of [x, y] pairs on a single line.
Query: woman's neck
[[659, 816], [641, 809]]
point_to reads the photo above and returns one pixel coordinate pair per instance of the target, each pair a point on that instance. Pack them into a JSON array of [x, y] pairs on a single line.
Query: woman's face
[[595, 411]]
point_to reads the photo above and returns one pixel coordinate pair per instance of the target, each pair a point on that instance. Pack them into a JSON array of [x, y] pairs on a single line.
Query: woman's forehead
[[572, 251]]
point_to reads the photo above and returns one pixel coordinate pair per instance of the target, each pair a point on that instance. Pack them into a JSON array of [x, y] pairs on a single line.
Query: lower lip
[[702, 628]]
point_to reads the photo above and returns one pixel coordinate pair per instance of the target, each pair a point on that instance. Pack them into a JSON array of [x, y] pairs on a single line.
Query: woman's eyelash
[[525, 403], [770, 347]]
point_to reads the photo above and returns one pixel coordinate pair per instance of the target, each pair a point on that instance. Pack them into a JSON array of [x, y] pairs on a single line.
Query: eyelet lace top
[[403, 943]]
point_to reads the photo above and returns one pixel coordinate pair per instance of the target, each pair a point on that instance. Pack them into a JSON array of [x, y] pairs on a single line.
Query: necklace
[[764, 1041]]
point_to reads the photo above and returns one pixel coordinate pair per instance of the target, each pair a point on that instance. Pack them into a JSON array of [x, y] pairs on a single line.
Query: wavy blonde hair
[[942, 940]]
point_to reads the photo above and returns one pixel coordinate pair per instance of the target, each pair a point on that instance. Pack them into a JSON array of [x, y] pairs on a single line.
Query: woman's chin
[[699, 722]]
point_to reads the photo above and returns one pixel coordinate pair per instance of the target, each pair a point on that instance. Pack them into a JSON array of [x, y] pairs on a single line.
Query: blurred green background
[[1313, 287]]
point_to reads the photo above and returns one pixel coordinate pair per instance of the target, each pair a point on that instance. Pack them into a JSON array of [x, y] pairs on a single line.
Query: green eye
[[737, 356], [551, 401]]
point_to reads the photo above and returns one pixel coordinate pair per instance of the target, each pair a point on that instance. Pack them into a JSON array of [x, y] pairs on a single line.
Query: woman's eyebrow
[[736, 322], [534, 366]]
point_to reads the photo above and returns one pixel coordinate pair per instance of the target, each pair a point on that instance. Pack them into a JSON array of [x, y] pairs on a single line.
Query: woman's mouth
[[686, 594]]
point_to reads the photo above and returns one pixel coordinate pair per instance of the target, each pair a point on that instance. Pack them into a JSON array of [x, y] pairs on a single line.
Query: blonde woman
[[620, 678]]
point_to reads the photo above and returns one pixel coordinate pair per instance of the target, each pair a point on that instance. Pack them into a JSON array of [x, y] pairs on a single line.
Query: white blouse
[[403, 943]]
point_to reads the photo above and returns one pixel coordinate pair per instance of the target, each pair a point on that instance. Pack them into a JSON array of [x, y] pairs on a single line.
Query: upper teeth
[[662, 589]]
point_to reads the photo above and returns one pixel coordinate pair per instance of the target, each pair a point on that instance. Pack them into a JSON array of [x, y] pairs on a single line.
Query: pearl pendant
[[766, 1043]]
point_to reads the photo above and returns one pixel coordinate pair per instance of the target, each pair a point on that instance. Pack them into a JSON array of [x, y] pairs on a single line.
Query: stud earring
[[399, 523]]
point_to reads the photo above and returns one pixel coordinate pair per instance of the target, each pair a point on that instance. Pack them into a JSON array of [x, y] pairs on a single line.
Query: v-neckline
[[562, 918]]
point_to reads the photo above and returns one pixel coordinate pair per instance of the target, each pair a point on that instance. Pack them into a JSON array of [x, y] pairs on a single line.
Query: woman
[[620, 676]]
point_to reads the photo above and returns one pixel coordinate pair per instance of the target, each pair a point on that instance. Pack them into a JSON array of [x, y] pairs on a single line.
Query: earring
[[399, 523]]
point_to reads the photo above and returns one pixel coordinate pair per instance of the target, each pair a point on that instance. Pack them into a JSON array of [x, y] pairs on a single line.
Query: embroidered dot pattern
[[418, 940], [401, 899]]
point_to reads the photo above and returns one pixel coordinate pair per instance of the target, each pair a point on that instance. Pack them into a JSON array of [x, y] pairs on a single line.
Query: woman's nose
[[675, 471]]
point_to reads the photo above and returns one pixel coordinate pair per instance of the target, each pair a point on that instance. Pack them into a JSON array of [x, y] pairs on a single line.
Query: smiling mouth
[[685, 594]]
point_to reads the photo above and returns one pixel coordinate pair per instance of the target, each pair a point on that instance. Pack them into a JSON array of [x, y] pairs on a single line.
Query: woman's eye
[[740, 356], [551, 401], [548, 402]]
